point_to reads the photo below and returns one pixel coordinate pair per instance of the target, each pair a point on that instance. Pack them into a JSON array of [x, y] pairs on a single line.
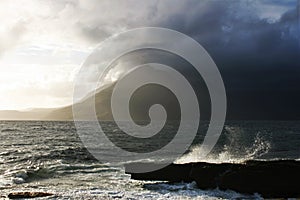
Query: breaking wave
[[233, 151]]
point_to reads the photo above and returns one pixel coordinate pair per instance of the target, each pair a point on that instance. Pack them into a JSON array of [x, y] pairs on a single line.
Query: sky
[[255, 43]]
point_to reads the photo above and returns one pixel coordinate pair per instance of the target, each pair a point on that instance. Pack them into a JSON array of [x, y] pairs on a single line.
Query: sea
[[50, 157]]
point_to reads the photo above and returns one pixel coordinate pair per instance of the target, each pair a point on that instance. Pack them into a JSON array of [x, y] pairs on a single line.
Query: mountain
[[33, 114], [102, 100], [241, 106], [140, 102]]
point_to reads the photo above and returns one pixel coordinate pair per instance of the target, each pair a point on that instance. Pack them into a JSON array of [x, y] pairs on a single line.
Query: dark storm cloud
[[249, 50], [255, 47], [258, 58], [287, 3]]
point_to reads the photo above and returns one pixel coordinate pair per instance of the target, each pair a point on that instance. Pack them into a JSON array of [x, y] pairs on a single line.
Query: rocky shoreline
[[271, 179]]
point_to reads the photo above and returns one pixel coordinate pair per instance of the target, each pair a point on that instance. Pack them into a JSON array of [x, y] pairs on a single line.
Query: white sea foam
[[4, 181], [160, 191]]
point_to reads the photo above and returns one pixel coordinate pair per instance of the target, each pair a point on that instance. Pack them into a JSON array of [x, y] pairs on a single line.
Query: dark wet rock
[[171, 173], [269, 178], [19, 195]]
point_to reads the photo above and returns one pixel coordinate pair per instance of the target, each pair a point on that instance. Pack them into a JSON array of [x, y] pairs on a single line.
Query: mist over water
[[49, 156]]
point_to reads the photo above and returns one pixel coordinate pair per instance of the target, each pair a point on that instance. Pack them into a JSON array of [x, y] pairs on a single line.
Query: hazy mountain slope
[[102, 100], [34, 114], [140, 103]]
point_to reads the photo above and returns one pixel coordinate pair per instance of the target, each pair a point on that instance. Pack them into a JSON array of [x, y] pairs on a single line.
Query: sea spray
[[233, 151]]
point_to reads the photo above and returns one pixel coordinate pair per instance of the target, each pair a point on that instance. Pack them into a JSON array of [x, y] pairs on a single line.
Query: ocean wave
[[68, 155], [10, 130], [34, 172], [27, 175], [71, 154], [230, 153]]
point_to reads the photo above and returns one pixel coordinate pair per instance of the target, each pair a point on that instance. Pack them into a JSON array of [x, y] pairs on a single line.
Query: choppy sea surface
[[50, 157]]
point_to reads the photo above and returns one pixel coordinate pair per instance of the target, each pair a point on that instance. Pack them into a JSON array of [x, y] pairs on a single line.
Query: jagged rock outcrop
[[269, 178]]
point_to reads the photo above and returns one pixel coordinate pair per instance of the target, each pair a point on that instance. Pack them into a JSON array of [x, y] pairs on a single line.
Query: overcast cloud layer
[[255, 44]]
